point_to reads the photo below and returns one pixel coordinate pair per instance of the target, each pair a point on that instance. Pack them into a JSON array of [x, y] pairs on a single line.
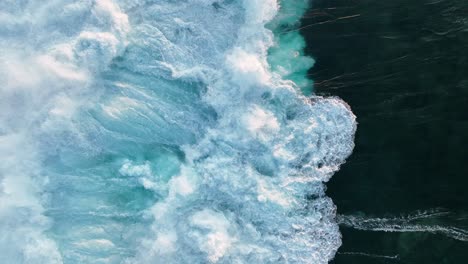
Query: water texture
[[164, 132]]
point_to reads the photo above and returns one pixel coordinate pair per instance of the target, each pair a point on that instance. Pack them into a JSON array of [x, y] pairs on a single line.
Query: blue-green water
[[164, 132]]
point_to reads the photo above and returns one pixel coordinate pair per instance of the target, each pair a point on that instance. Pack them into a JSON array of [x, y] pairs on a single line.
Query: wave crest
[[165, 135]]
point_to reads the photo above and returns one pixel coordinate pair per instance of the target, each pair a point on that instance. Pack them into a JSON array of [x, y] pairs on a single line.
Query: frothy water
[[163, 132], [421, 221]]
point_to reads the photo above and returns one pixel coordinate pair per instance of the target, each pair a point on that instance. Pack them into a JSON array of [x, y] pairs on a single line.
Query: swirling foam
[[156, 131]]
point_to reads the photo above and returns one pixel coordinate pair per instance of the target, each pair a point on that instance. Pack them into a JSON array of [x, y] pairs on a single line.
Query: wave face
[[157, 132]]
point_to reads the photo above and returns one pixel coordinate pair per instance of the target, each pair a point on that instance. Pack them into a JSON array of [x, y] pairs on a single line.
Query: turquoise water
[[164, 132], [287, 57]]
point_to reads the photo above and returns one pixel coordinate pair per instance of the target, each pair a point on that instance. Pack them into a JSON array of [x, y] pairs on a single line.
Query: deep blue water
[[402, 67]]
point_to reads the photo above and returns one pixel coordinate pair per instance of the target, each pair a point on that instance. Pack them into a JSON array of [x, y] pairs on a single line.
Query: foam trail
[[414, 222], [161, 131], [395, 257]]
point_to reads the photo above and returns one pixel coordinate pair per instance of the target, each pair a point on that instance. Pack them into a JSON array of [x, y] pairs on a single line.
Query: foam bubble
[[158, 131]]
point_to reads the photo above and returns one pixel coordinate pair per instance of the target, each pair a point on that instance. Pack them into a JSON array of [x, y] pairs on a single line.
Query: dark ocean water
[[402, 66]]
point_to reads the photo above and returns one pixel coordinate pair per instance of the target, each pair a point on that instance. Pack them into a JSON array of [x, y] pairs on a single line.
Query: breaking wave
[[159, 131]]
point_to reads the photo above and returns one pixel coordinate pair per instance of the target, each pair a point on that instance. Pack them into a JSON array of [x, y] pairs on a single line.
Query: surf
[[164, 131]]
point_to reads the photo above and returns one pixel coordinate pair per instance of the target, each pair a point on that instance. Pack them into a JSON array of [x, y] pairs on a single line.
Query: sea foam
[[163, 132]]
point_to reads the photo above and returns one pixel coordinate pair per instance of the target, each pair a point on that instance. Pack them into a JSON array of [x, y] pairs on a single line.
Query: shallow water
[[402, 67]]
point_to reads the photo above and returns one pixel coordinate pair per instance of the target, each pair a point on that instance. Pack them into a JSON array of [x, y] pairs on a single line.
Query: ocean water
[[167, 131], [402, 67]]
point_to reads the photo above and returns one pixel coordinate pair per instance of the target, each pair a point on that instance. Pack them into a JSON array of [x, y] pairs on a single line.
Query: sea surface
[[233, 131], [402, 66]]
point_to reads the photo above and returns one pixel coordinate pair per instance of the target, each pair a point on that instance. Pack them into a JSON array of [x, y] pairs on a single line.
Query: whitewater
[[164, 131]]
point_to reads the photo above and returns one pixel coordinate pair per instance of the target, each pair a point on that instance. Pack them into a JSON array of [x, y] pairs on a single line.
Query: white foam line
[[405, 224], [369, 255]]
